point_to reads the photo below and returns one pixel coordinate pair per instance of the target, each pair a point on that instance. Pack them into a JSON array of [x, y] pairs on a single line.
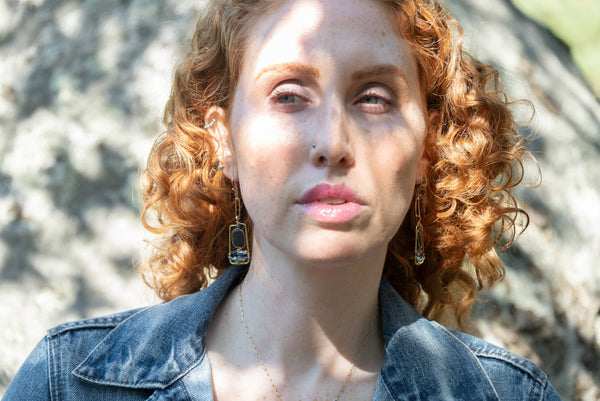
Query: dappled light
[[82, 88]]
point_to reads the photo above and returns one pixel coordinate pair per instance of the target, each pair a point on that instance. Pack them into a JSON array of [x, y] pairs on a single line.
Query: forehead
[[317, 30]]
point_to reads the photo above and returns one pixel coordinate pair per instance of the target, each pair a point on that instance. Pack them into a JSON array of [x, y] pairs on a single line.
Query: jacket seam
[[542, 385], [543, 390], [54, 351], [387, 387], [58, 379], [50, 368], [95, 323], [138, 384], [185, 389], [524, 366], [145, 385], [475, 358]]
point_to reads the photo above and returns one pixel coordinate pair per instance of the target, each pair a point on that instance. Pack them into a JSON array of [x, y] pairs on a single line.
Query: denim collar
[[159, 345]]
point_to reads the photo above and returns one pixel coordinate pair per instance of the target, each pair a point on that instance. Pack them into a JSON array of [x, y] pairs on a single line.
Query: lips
[[330, 194], [332, 203]]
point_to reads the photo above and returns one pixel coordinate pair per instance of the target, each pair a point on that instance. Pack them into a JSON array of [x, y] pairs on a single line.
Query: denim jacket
[[158, 353]]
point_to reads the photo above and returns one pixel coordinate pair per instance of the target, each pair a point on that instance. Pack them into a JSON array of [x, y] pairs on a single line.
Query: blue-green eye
[[288, 99], [370, 99]]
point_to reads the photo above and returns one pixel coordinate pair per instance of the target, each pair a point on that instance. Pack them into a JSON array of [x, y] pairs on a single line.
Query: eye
[[289, 97], [375, 99], [372, 99]]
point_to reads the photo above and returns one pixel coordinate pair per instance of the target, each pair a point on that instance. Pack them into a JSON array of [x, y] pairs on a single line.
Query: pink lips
[[332, 203]]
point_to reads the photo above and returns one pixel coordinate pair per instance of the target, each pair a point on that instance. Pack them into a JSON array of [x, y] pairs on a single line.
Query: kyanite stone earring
[[239, 252], [419, 243]]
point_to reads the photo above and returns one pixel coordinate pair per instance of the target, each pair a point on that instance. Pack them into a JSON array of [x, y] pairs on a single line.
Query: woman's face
[[327, 129]]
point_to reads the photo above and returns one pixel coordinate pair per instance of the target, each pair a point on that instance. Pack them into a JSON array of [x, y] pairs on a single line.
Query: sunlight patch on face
[[276, 36]]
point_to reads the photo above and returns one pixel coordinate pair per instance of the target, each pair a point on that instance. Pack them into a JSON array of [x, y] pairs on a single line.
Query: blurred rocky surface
[[548, 307], [82, 85]]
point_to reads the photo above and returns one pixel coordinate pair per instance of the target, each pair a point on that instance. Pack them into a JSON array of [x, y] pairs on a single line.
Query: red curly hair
[[475, 157]]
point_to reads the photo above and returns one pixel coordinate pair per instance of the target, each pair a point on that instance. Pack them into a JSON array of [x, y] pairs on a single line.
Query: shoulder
[[513, 376], [59, 351], [427, 359], [125, 356], [108, 357], [92, 326]]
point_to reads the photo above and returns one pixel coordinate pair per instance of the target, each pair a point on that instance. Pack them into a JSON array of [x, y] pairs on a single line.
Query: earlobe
[[435, 119], [422, 167], [216, 123]]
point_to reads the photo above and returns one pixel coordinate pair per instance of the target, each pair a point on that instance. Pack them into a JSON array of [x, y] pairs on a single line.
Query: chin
[[340, 251]]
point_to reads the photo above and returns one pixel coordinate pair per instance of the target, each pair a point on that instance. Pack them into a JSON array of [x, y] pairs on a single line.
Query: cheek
[[267, 149], [399, 157], [396, 175], [267, 157]]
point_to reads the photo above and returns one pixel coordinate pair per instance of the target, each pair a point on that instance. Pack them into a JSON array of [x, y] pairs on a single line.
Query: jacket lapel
[[192, 387], [423, 360], [158, 345]]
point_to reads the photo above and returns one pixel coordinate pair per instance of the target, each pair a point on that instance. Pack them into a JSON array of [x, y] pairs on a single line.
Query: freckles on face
[[333, 73], [266, 153]]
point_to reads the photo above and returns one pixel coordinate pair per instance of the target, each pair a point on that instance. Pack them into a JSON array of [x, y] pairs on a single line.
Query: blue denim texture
[[158, 353]]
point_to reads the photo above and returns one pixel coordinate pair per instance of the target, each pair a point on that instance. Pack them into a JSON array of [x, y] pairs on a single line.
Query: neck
[[309, 312]]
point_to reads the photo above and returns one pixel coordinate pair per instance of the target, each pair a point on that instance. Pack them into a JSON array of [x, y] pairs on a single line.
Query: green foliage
[[577, 23]]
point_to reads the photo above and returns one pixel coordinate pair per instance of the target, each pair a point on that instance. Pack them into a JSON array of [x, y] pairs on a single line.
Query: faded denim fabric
[[157, 353]]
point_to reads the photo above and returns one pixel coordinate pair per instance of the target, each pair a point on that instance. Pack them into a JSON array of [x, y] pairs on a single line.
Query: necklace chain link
[[264, 366]]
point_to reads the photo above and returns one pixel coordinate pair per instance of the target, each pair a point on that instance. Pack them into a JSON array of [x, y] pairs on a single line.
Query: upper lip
[[328, 191]]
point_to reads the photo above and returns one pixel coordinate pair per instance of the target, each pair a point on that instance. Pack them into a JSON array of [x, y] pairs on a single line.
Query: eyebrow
[[365, 73], [380, 69], [291, 67]]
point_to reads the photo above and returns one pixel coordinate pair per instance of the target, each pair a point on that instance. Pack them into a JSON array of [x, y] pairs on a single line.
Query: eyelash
[[282, 91], [278, 94], [370, 91], [388, 100]]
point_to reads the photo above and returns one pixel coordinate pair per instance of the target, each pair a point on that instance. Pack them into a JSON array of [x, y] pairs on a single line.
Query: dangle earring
[[419, 243], [239, 253]]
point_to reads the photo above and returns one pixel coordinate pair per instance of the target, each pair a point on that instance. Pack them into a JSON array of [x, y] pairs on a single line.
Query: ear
[[218, 125], [433, 124]]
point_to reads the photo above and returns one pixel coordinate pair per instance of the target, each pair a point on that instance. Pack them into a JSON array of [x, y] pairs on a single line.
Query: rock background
[[82, 85]]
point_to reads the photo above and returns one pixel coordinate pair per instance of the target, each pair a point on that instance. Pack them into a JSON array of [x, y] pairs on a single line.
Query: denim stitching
[[509, 357], [145, 384], [472, 354], [51, 377], [182, 384], [101, 322], [387, 387], [524, 366], [59, 385]]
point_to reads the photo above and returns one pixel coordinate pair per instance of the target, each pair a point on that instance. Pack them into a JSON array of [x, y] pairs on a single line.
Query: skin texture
[[337, 74], [306, 79]]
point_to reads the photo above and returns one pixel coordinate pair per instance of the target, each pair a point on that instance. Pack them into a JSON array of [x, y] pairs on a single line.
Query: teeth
[[333, 201]]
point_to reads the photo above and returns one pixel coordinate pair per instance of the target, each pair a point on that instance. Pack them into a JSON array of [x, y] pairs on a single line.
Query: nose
[[332, 145]]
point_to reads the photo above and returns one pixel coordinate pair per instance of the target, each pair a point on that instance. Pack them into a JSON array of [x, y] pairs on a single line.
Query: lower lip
[[329, 213]]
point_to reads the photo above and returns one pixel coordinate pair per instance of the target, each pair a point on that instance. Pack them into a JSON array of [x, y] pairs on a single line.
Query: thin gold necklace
[[264, 366]]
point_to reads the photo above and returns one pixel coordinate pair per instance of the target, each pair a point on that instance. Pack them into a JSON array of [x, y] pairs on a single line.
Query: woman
[[369, 159]]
